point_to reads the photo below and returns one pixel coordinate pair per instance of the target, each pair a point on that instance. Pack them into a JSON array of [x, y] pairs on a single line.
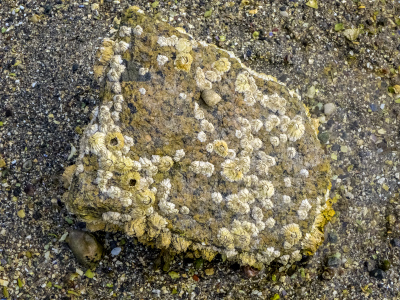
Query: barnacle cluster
[[190, 150]]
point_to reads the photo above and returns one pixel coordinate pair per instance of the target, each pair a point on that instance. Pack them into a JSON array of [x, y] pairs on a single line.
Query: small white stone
[[329, 108], [142, 91], [161, 59]]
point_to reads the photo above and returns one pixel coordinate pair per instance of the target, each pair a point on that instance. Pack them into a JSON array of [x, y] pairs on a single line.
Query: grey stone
[[329, 108]]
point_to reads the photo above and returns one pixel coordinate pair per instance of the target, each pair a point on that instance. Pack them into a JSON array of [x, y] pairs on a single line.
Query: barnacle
[[201, 81], [285, 199], [274, 141], [124, 164], [114, 141], [216, 197], [212, 76], [270, 222], [295, 130], [165, 164], [206, 126], [106, 54], [179, 154], [221, 148], [180, 244], [201, 136], [257, 214], [242, 83], [222, 65], [156, 224], [208, 254], [198, 113], [97, 143], [165, 238], [125, 31], [184, 210], [183, 45], [236, 205], [291, 152], [287, 181], [130, 181], [283, 138], [292, 233], [231, 170], [210, 147], [256, 125], [138, 30], [241, 237], [144, 198], [304, 173], [265, 188], [225, 238], [161, 59], [201, 167], [183, 61], [266, 203]]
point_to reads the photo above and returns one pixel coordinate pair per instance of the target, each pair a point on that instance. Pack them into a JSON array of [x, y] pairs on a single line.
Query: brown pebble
[[250, 272], [87, 250]]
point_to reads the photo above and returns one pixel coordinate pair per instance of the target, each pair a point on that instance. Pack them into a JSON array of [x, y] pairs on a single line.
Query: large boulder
[[190, 150]]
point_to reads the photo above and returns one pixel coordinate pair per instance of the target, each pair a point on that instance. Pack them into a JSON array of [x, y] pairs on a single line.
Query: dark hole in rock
[[114, 142], [132, 182]]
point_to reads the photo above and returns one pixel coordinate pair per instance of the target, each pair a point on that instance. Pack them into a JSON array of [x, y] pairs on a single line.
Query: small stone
[[210, 97], [250, 272], [332, 237], [284, 14], [21, 213], [116, 251], [328, 274], [334, 262], [378, 274], [323, 137], [86, 248], [27, 165], [209, 272], [395, 242], [75, 68], [370, 264], [329, 109], [385, 265]]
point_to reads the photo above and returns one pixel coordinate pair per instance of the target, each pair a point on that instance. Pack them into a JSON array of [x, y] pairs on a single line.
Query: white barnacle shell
[[274, 141], [143, 71], [283, 138], [274, 120], [198, 113], [201, 136], [145, 162], [266, 203], [268, 126], [246, 196], [118, 99], [201, 81], [256, 125], [256, 143], [216, 197], [206, 126], [118, 107], [257, 214], [115, 61], [183, 45], [92, 129], [125, 31], [138, 30], [179, 154], [238, 134], [296, 255], [302, 214], [242, 83], [210, 147], [291, 152], [79, 169], [231, 154], [122, 47], [114, 192], [305, 205], [270, 222], [295, 129], [304, 173], [161, 59], [285, 199], [116, 88], [113, 75], [284, 259], [212, 76], [184, 210], [162, 41], [142, 91]]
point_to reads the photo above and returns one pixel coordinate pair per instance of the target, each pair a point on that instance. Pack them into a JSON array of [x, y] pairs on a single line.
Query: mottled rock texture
[[192, 151]]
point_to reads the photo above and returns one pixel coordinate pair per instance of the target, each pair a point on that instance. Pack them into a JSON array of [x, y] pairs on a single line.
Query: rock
[[209, 272], [87, 250], [395, 242], [332, 237], [351, 34], [323, 137], [179, 173], [250, 272], [378, 274], [370, 264], [210, 97], [334, 262], [116, 251], [329, 108], [21, 213], [385, 265]]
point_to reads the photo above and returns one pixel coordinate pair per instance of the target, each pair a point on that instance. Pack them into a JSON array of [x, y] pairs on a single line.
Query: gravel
[[47, 50]]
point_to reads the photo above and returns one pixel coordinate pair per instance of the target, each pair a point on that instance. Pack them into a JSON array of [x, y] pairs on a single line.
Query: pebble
[[323, 137], [333, 262], [370, 264], [329, 108], [209, 272], [395, 242], [87, 250], [27, 165], [332, 237], [378, 274], [385, 265], [116, 251], [21, 213]]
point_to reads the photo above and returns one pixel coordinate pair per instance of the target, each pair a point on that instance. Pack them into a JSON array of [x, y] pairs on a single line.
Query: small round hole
[[114, 142], [132, 182]]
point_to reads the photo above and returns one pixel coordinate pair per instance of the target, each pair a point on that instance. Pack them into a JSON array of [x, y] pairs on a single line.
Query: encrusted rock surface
[[190, 150]]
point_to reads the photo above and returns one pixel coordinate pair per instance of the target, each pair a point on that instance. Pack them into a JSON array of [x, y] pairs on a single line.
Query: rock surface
[[87, 250], [192, 150]]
